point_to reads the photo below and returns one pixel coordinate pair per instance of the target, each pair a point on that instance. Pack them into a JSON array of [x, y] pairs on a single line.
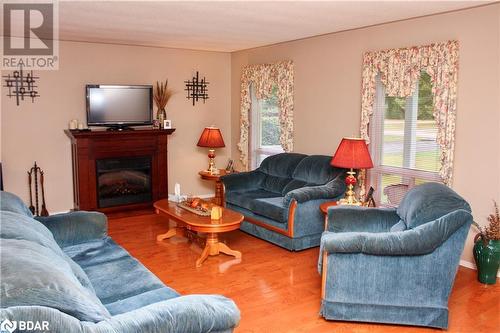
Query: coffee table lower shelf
[[186, 220]]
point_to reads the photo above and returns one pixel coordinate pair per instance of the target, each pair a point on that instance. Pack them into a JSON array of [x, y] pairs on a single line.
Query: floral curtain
[[263, 77], [399, 71]]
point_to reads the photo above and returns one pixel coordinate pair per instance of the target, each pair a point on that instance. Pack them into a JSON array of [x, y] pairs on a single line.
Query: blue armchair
[[394, 265]]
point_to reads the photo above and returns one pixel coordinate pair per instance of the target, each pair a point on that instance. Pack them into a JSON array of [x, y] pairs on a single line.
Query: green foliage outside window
[[396, 105], [270, 135]]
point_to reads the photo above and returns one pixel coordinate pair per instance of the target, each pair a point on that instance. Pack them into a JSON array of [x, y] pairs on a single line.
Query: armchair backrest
[[428, 202], [278, 170]]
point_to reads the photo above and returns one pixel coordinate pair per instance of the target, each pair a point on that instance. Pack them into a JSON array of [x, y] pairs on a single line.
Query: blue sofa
[[394, 265], [280, 199], [65, 271]]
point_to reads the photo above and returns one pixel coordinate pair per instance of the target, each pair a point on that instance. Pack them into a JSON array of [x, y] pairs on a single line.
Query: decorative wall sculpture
[[197, 89], [21, 85]]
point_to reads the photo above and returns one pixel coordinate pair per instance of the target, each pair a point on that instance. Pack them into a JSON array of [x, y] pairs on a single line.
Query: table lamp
[[211, 137], [352, 153]]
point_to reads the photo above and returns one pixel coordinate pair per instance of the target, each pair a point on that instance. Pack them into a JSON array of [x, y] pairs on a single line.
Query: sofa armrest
[[243, 180], [330, 190], [191, 313], [354, 218], [421, 240], [76, 227], [187, 314]]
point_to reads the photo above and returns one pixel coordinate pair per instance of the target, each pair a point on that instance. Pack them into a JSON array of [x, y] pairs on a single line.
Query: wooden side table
[[219, 189], [324, 209]]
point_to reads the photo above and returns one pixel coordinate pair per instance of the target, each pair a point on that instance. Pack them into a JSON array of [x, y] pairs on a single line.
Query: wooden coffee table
[[230, 221]]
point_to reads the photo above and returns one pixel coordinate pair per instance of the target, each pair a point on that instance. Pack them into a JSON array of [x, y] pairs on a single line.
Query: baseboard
[[471, 265]]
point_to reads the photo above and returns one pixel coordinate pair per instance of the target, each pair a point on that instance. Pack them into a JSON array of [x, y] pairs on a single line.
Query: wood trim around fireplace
[[89, 146]]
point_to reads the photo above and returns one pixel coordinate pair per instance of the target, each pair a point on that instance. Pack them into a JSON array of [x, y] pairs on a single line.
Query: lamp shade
[[352, 153], [211, 138]]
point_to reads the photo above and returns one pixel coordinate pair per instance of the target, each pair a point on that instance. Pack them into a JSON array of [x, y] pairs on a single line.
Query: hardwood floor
[[277, 290]]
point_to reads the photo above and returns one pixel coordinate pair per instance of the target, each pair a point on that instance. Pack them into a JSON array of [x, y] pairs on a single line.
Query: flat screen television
[[119, 106]]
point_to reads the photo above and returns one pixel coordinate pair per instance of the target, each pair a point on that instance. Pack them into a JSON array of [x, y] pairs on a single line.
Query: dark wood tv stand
[[88, 147]]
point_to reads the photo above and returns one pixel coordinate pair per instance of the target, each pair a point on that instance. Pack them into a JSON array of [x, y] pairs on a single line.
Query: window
[[403, 142], [265, 127]]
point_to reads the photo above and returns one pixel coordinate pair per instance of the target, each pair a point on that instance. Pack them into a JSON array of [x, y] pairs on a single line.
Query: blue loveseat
[[65, 271], [280, 200], [394, 265]]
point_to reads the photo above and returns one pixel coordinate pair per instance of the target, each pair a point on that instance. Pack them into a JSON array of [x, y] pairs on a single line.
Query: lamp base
[[212, 169], [350, 195]]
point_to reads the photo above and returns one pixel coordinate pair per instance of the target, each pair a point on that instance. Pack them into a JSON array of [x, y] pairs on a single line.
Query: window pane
[[410, 131], [270, 128], [265, 128], [394, 130], [427, 156]]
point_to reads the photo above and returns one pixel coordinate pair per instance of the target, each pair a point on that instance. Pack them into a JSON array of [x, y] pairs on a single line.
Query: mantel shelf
[[73, 134]]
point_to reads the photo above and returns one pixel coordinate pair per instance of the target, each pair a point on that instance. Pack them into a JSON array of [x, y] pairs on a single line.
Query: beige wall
[[328, 81], [34, 132]]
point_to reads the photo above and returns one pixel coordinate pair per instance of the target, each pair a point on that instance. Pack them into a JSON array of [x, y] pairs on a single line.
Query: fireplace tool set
[[35, 179]]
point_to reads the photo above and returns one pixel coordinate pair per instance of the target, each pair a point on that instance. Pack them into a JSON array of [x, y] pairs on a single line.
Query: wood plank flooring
[[277, 290]]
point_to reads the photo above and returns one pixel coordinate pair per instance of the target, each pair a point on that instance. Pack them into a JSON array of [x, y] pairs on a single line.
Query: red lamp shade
[[352, 153], [211, 138]]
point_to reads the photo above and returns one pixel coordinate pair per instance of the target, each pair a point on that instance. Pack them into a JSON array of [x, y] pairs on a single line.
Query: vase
[[487, 257], [161, 116]]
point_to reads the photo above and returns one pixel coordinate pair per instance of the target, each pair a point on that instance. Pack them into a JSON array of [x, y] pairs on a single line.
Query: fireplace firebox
[[123, 181]]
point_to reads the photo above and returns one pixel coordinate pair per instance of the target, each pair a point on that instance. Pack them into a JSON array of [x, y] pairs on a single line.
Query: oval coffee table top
[[230, 220]]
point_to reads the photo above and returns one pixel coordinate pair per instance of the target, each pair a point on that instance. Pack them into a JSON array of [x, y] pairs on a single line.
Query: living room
[[319, 50]]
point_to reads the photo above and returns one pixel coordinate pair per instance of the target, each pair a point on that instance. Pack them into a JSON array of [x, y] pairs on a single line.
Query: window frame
[[376, 130]]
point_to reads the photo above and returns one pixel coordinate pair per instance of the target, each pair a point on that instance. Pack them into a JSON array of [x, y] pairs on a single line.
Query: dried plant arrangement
[[162, 94], [492, 231]]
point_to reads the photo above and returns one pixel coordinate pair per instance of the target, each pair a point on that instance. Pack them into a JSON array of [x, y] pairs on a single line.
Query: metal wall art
[[197, 89], [21, 84]]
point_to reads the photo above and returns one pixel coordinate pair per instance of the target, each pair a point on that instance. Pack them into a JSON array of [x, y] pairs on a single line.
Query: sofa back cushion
[[427, 202], [312, 171], [21, 227], [278, 170], [33, 275], [12, 203], [316, 170]]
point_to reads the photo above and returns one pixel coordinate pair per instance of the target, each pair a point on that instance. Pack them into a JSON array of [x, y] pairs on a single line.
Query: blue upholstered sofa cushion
[[136, 287], [316, 170], [12, 203], [21, 227], [33, 274], [278, 170], [427, 202], [245, 198], [272, 208]]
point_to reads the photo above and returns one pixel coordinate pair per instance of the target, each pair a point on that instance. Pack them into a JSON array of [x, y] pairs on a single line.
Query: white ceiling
[[229, 25]]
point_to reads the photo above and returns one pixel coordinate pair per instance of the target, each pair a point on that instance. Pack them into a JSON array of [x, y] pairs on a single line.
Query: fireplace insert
[[123, 181]]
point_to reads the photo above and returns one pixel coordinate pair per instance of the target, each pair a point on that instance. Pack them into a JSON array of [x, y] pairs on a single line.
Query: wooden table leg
[[219, 189], [226, 250], [213, 247], [169, 234]]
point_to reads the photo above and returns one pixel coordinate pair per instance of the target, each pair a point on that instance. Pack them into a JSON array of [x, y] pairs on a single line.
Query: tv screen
[[112, 105]]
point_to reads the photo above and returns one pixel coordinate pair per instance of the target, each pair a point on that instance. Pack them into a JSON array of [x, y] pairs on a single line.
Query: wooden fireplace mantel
[[89, 146]]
